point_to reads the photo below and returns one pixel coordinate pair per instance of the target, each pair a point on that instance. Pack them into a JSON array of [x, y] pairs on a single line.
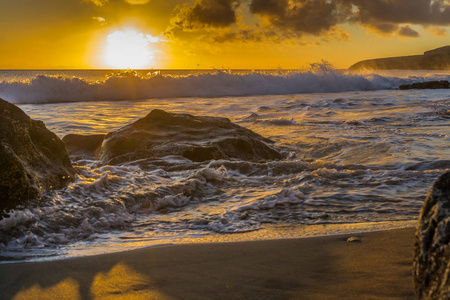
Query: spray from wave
[[129, 85]]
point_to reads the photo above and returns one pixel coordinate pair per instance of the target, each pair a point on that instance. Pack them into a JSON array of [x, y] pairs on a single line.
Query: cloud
[[301, 16], [423, 12], [101, 20], [286, 20], [252, 35], [407, 31], [320, 17], [155, 39], [436, 31], [206, 13], [382, 28], [103, 2], [98, 2], [386, 16], [137, 2], [245, 35]]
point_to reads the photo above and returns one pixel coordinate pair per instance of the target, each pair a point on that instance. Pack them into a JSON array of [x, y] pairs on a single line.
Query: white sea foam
[[349, 157], [133, 86]]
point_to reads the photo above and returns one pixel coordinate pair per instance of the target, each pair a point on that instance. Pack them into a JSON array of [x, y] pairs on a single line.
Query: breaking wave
[[148, 200], [131, 85]]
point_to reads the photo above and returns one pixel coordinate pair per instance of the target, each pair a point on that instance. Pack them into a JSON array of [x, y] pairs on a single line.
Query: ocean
[[359, 154]]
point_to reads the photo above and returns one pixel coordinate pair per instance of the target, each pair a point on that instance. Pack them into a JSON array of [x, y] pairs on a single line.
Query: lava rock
[[32, 158], [443, 84], [432, 246], [84, 146], [197, 138]]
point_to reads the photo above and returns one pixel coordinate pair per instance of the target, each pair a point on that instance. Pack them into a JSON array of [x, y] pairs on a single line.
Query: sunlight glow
[[128, 50]]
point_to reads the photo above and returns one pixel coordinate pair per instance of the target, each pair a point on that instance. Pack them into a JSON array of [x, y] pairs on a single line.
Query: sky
[[230, 34]]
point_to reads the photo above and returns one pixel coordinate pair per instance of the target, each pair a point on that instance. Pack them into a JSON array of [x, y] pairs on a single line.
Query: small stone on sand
[[353, 239]]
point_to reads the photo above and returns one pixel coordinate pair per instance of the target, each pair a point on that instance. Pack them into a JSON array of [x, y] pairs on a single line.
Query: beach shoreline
[[378, 265], [265, 233]]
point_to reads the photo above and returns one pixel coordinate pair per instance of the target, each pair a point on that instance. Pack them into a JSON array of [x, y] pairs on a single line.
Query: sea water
[[358, 154]]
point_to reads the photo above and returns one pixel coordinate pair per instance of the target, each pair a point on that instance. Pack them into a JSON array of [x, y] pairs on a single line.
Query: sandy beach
[[378, 266]]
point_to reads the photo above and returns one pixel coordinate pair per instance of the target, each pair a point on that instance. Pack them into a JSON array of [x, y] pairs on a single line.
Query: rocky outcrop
[[197, 138], [83, 146], [32, 158], [437, 59], [390, 63], [432, 248], [443, 84]]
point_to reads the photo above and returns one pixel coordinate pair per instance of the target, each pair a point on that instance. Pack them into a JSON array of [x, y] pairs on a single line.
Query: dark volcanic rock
[[432, 249], [31, 157], [196, 138], [84, 145], [443, 84]]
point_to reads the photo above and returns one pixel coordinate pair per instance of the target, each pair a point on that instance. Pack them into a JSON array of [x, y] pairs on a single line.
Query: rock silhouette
[[443, 84], [436, 59], [432, 247], [32, 158], [197, 138]]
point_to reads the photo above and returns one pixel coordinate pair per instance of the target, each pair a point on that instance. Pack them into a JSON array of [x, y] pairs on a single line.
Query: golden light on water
[[127, 49]]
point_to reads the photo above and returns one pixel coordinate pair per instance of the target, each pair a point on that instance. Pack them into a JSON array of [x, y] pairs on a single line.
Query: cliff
[[437, 59]]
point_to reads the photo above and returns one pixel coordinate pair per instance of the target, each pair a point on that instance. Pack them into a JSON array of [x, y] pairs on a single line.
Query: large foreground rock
[[432, 249], [32, 158], [197, 138]]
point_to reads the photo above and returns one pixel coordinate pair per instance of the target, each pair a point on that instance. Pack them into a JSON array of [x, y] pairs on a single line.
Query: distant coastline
[[436, 59]]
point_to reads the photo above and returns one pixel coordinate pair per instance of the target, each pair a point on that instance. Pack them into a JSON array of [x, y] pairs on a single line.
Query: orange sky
[[59, 34]]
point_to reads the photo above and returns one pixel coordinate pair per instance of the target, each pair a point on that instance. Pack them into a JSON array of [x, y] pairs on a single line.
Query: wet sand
[[378, 266]]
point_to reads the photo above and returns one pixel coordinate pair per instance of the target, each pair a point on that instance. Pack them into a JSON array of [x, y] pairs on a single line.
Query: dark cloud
[[103, 2], [301, 16], [239, 35], [207, 13], [386, 17], [137, 2], [287, 20], [382, 28], [407, 31], [251, 35], [423, 12], [318, 17]]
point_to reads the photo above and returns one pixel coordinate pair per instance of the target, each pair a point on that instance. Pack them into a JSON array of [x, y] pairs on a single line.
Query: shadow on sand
[[378, 267]]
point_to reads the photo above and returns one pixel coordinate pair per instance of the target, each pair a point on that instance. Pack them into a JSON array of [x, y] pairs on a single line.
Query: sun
[[127, 49]]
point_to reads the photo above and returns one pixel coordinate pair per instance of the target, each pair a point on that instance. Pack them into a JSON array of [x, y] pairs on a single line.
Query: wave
[[149, 199], [130, 85]]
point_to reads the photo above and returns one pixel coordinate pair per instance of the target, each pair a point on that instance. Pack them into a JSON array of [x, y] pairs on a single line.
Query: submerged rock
[[32, 158], [432, 248], [197, 138], [84, 146], [428, 85]]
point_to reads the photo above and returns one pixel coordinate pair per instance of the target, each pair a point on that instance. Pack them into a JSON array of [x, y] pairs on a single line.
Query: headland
[[436, 59]]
